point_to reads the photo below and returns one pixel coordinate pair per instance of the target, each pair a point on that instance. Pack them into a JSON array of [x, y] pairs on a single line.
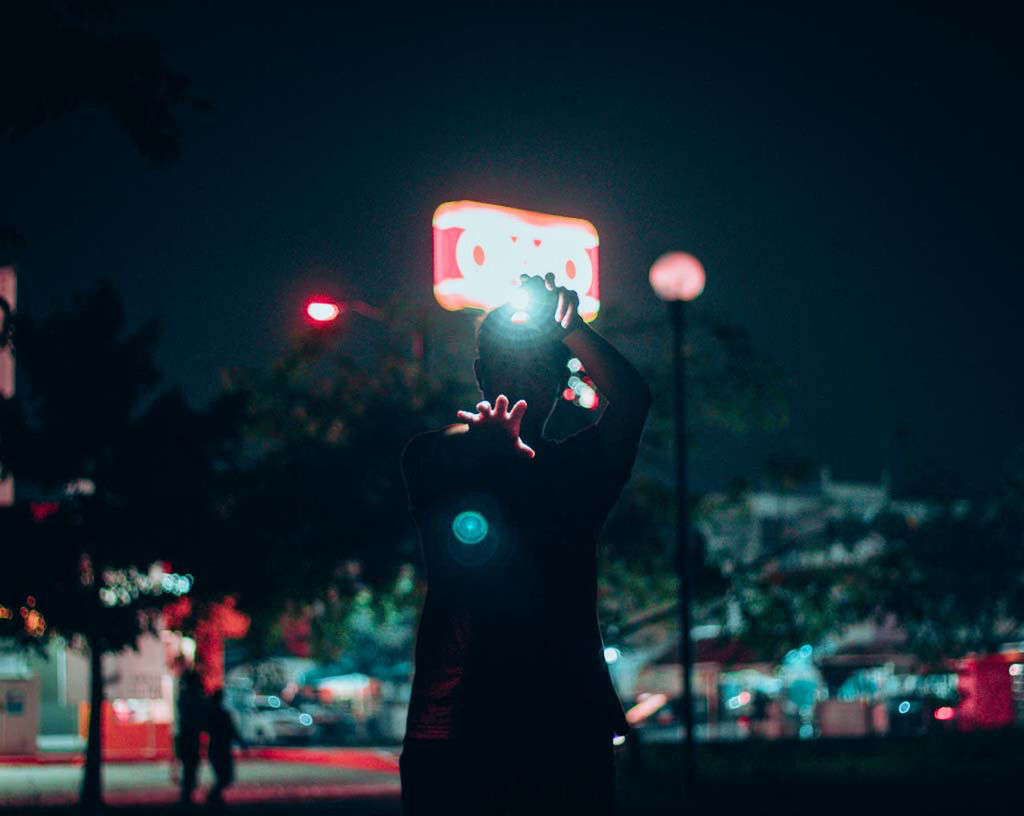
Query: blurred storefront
[[19, 706]]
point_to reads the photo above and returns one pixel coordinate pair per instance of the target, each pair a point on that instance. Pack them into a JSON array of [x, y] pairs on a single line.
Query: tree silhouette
[[126, 76], [131, 473], [953, 581]]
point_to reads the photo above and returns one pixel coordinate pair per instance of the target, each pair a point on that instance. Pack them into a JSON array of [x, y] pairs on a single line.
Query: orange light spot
[[645, 707], [478, 255], [570, 270]]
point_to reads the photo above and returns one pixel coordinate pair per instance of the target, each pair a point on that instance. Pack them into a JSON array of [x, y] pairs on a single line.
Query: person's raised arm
[[628, 395]]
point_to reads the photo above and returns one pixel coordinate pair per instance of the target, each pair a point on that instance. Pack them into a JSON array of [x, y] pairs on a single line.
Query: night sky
[[851, 183]]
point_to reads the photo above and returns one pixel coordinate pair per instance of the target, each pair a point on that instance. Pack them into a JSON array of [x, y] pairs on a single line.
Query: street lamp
[[321, 311], [678, 278]]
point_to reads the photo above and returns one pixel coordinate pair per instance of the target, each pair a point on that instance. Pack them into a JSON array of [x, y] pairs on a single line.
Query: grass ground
[[972, 774], [976, 773]]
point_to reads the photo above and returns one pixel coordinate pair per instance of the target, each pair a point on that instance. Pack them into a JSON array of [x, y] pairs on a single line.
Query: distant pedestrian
[[222, 735], [191, 720]]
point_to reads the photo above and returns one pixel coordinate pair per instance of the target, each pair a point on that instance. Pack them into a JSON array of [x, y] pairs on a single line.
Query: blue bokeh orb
[[470, 527]]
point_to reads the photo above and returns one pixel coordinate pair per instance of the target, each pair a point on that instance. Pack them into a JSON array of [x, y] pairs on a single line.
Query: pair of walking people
[[197, 714]]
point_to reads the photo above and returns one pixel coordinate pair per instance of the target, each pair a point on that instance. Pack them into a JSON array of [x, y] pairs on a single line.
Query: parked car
[[912, 715], [267, 720]]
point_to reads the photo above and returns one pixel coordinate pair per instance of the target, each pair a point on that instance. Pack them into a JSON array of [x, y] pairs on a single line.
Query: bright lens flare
[[470, 527], [519, 299], [322, 311]]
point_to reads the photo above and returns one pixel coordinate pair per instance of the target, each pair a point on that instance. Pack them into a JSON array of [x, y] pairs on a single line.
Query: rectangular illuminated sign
[[480, 250]]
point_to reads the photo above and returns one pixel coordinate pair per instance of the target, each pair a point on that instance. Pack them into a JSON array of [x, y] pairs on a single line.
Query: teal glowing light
[[470, 527]]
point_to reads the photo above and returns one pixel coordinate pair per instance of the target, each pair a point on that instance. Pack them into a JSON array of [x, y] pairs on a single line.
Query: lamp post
[[678, 278]]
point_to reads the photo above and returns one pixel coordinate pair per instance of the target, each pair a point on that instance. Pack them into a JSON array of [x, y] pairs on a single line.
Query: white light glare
[[611, 654], [519, 299]]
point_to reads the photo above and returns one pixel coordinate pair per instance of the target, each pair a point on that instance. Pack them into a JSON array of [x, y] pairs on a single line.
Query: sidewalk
[[382, 759], [265, 775]]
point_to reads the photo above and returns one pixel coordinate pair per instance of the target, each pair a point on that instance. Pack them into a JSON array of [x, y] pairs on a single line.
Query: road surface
[[345, 774]]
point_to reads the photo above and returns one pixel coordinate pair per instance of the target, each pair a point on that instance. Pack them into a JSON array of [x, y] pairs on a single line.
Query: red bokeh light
[[322, 311], [944, 713]]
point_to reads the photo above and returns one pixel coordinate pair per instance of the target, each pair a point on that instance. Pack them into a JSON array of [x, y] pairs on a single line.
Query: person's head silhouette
[[521, 362]]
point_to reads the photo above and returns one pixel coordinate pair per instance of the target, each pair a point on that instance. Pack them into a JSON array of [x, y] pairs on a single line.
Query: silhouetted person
[[512, 708], [191, 721], [222, 735]]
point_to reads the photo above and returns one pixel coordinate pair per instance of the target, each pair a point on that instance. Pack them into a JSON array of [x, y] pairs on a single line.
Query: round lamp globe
[[677, 276]]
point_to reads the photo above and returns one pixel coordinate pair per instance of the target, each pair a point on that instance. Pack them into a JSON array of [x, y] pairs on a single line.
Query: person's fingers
[[570, 309], [517, 412], [560, 308], [525, 449], [549, 280], [501, 405], [483, 407], [523, 278], [468, 416]]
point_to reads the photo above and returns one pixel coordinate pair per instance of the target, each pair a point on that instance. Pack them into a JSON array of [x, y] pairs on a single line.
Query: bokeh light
[[470, 527], [322, 311], [677, 276]]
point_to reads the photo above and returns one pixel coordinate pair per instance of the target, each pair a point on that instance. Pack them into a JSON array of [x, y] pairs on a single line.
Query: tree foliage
[[128, 475], [954, 582], [125, 76]]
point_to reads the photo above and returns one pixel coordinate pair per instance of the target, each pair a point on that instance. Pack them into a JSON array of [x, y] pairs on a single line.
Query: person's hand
[[500, 419], [566, 301]]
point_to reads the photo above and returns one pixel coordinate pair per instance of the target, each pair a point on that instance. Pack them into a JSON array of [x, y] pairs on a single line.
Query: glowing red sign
[[480, 250]]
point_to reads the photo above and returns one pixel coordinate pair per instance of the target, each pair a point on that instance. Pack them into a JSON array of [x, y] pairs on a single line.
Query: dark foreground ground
[[980, 773]]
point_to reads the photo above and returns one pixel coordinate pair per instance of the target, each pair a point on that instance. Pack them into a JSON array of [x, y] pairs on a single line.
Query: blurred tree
[[730, 387], [954, 581], [131, 476], [951, 579], [77, 422], [72, 573], [316, 516], [126, 76]]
